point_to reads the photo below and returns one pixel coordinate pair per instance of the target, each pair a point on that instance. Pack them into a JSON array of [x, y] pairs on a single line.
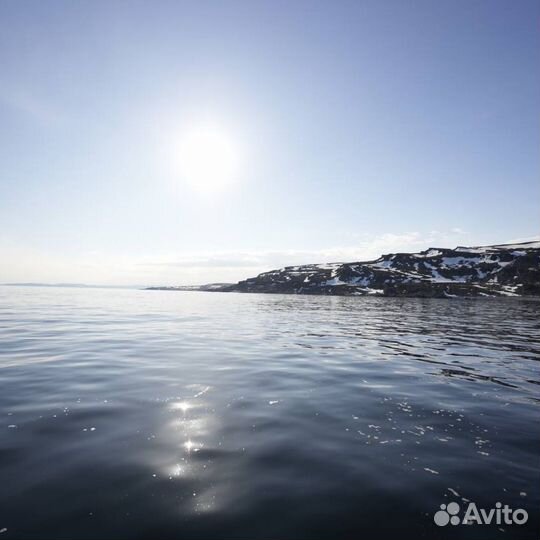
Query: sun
[[208, 158]]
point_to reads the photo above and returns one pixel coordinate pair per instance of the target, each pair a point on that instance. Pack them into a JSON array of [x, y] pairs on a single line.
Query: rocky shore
[[499, 270]]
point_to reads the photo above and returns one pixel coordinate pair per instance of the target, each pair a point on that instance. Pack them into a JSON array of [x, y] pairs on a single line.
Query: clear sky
[[331, 131]]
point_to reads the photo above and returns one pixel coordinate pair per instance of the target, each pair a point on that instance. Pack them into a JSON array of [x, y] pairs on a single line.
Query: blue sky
[[361, 127]]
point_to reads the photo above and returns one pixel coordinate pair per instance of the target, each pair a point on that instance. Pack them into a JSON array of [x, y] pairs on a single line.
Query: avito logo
[[500, 515]]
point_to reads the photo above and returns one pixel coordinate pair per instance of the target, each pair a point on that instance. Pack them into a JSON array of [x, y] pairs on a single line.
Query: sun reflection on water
[[183, 406], [189, 445]]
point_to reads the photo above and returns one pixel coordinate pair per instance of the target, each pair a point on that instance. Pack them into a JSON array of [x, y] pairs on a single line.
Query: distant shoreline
[[71, 286], [511, 270]]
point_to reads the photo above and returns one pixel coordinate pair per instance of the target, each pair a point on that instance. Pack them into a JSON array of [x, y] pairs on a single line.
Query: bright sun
[[208, 159]]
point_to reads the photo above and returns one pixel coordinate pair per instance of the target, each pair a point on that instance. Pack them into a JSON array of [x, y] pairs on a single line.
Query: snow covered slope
[[501, 270]]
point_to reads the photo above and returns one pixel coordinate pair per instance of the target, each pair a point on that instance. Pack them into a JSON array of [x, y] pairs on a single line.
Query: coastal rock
[[499, 270]]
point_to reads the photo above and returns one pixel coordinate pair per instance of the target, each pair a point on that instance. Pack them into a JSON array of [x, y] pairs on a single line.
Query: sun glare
[[208, 159]]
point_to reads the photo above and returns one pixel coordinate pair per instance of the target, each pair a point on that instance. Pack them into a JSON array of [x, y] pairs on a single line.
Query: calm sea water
[[148, 414]]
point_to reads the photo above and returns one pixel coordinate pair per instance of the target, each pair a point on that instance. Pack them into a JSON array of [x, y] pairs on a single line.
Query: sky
[[331, 131]]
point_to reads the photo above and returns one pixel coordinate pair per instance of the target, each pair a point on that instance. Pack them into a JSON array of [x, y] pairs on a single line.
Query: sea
[[136, 414]]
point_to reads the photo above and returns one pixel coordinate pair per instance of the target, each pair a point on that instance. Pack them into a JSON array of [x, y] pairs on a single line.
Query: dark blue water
[[148, 414]]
